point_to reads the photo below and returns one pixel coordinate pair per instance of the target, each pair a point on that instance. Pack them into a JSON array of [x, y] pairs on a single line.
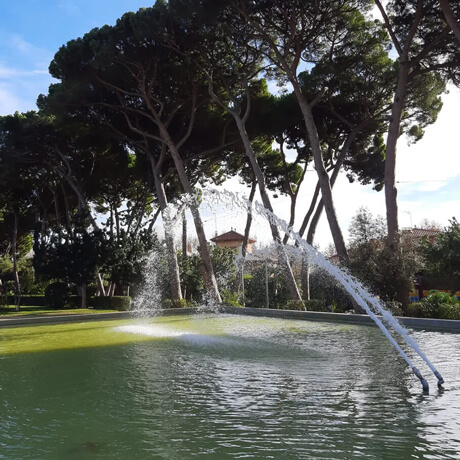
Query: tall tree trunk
[[390, 155], [335, 173], [323, 177], [244, 246], [58, 213], [292, 207], [184, 247], [206, 268], [17, 285], [184, 238], [395, 120], [82, 289], [82, 204], [283, 257], [305, 277], [100, 285], [173, 265], [67, 212], [451, 20], [307, 217]]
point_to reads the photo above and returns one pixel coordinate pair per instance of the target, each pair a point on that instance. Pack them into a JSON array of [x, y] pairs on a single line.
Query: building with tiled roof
[[419, 233], [232, 239]]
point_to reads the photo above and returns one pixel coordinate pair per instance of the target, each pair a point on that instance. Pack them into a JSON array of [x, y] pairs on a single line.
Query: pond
[[223, 386]]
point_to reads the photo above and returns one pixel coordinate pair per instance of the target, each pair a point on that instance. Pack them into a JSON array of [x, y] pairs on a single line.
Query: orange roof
[[230, 236], [421, 232]]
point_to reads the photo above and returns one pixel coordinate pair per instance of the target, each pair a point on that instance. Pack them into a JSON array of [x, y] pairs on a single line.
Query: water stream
[[363, 298]]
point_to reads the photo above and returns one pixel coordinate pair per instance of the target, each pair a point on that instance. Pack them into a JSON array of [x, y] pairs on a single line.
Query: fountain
[[353, 287], [222, 386]]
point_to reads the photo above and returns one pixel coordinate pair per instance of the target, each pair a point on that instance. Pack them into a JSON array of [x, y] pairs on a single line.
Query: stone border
[[31, 320], [447, 325]]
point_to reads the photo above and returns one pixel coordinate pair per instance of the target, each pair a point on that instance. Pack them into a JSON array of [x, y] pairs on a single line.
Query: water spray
[[360, 295]]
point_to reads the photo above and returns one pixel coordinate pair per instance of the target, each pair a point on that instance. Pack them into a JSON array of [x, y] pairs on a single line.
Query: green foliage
[[229, 298], [120, 303], [76, 261], [298, 305], [29, 300], [394, 308], [224, 263], [6, 265], [56, 295], [223, 260], [125, 257], [317, 305], [73, 301], [384, 273], [437, 305], [325, 289], [256, 291], [174, 303], [443, 257]]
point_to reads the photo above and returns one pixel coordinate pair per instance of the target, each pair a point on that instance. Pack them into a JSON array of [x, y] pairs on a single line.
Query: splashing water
[[148, 302], [363, 298]]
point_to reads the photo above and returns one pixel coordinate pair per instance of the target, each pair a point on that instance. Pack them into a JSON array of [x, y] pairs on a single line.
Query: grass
[[9, 310]]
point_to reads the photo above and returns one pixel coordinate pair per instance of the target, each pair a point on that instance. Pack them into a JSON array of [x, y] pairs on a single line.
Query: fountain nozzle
[[439, 377], [422, 380]]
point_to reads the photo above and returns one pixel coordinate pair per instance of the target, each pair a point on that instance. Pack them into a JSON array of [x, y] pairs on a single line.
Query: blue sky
[[31, 32]]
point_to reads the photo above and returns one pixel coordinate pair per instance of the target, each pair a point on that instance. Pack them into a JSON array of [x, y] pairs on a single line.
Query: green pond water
[[217, 387]]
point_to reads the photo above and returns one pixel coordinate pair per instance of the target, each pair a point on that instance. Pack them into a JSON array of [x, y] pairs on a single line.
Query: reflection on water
[[231, 387]]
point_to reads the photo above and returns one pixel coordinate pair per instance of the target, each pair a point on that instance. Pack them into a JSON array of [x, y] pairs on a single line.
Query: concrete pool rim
[[447, 325]]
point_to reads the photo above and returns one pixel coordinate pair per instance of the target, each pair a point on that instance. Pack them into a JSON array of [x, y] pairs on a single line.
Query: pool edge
[[447, 325]]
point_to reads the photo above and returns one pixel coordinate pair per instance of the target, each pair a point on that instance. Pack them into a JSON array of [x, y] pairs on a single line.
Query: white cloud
[[23, 74], [9, 103], [437, 155], [32, 56], [69, 7]]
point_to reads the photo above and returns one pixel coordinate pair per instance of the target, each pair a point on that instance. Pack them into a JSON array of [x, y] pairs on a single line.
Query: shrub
[[255, 288], [174, 303], [29, 300], [56, 295], [120, 303], [324, 287], [437, 305], [417, 310], [73, 301], [395, 308], [298, 305], [229, 298], [317, 305]]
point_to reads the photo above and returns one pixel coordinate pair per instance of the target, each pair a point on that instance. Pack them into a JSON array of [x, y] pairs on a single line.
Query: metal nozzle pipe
[[439, 377], [425, 385]]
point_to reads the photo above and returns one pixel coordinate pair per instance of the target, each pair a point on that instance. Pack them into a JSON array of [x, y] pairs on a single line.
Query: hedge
[[318, 305], [173, 303], [29, 300], [120, 303]]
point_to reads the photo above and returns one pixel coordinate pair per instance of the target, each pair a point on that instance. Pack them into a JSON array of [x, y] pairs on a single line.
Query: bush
[[437, 305], [298, 305], [29, 300], [417, 310], [73, 301], [325, 288], [317, 305], [120, 303], [174, 303], [255, 288], [395, 308], [56, 295], [229, 298]]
